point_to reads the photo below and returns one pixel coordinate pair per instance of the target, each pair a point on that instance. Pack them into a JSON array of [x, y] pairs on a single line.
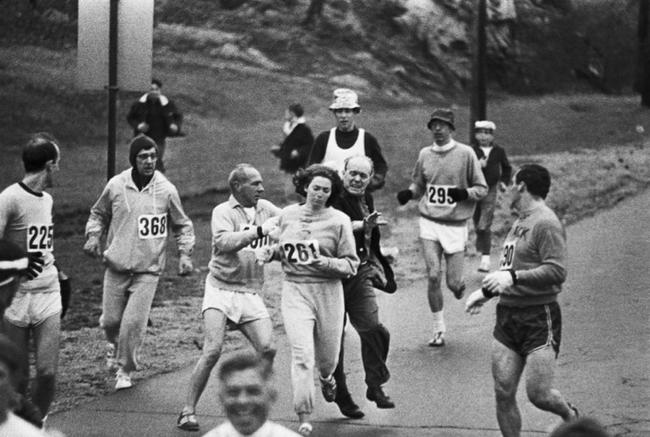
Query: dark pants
[[361, 307], [483, 216], [160, 164]]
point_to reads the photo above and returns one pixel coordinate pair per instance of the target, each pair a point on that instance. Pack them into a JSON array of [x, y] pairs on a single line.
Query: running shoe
[[111, 360], [438, 340], [328, 387], [123, 380], [187, 422], [305, 429]]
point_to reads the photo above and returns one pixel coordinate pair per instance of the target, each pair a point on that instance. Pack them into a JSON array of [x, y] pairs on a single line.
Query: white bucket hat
[[484, 124], [345, 99]]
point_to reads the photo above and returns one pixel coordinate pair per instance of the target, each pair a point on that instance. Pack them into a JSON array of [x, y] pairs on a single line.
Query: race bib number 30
[[258, 242], [508, 255], [438, 196], [152, 226], [300, 252], [40, 237]]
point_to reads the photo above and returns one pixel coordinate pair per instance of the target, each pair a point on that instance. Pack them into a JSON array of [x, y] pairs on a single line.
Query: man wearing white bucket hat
[[334, 146]]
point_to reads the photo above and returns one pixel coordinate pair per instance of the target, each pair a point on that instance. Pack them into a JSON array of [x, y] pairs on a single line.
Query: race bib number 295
[[438, 196], [152, 226], [40, 237]]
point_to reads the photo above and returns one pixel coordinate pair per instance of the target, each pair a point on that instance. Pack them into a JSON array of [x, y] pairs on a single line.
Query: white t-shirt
[[269, 429]]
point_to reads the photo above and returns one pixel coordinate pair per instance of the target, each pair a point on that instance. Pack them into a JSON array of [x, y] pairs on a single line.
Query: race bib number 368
[[40, 237], [152, 226], [438, 196], [300, 252]]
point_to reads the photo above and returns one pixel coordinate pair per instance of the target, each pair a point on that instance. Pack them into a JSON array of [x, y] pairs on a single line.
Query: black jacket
[[349, 204], [158, 116], [301, 140], [498, 168]]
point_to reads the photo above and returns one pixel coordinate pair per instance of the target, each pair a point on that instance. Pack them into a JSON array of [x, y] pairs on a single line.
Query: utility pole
[[478, 89], [112, 88], [642, 84]]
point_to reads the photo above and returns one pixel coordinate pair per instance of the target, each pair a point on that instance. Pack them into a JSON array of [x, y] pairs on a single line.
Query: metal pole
[[112, 88], [478, 109]]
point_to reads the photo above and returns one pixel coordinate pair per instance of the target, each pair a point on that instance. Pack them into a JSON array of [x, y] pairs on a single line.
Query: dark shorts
[[527, 329]]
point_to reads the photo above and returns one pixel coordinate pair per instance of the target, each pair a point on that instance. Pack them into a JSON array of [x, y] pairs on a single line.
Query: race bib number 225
[[40, 237]]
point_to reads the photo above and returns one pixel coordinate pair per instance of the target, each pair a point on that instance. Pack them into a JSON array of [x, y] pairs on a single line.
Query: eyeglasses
[[145, 156]]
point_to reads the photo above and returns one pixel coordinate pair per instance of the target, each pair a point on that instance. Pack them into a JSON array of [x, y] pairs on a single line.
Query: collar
[[163, 100], [447, 147], [263, 431]]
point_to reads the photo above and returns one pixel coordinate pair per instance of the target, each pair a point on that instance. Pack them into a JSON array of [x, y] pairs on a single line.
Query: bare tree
[[314, 12], [642, 84]]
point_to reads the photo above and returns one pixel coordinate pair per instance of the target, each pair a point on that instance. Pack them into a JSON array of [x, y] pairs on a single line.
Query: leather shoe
[[377, 395], [349, 408]]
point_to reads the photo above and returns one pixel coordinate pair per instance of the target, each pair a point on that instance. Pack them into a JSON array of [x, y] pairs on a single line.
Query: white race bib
[[40, 237], [438, 196], [258, 242], [152, 226], [508, 255], [300, 252]]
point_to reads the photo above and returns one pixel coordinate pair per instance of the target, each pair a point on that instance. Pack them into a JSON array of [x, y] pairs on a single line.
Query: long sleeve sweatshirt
[[327, 232]]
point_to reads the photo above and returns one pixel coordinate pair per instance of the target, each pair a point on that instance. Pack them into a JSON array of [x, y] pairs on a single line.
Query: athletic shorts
[[238, 307], [31, 309], [528, 329], [453, 239]]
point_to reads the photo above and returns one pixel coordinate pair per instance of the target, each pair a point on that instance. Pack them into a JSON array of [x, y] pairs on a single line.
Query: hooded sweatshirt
[[138, 223]]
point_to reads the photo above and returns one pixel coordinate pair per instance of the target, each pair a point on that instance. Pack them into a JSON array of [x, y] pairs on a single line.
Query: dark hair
[[536, 178], [39, 149], [156, 81], [581, 427], [303, 178], [244, 360], [297, 109]]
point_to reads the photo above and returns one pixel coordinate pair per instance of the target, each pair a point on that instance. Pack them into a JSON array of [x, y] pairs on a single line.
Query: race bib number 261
[[300, 252], [152, 226]]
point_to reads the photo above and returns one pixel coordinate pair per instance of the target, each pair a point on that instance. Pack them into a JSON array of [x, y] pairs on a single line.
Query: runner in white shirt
[[26, 220]]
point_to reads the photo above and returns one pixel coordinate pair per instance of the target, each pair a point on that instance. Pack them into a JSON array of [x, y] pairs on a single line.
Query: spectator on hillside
[[294, 150], [497, 172], [155, 115], [332, 147], [135, 212]]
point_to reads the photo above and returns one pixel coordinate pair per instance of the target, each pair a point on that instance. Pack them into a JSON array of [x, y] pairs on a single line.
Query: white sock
[[485, 259], [439, 322]]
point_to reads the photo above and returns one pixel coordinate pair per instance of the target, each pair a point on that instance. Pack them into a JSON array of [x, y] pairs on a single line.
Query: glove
[[93, 247], [497, 282], [475, 302], [457, 194], [270, 225], [35, 265], [185, 265], [404, 196], [66, 292]]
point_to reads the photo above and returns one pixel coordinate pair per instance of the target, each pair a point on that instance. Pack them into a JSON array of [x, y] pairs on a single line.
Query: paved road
[[604, 366]]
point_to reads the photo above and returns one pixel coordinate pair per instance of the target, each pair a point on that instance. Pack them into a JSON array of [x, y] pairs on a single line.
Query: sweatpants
[[126, 304], [313, 320]]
